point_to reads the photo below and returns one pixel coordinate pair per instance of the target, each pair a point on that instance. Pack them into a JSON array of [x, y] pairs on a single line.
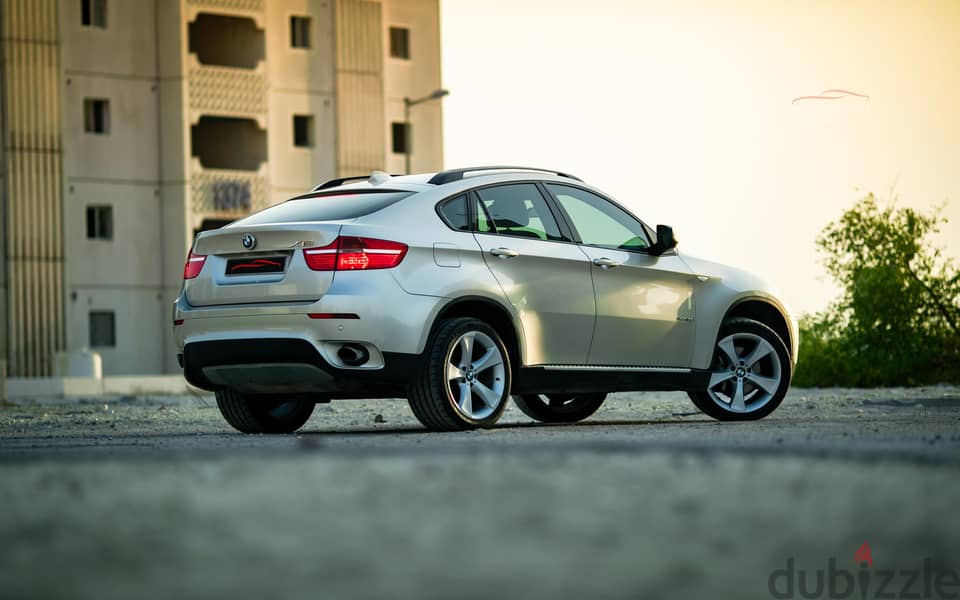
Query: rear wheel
[[750, 373], [263, 414], [466, 380], [559, 408]]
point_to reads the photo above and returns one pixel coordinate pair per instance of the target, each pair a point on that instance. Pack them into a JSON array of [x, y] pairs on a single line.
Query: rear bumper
[[389, 318], [290, 366]]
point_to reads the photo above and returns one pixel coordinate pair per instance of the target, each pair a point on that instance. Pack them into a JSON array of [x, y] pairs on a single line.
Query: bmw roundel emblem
[[249, 241]]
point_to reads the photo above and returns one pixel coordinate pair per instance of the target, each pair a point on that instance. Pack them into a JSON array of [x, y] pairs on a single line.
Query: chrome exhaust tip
[[353, 355]]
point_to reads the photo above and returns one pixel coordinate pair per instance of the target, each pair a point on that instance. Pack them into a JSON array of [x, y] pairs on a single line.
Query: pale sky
[[682, 111]]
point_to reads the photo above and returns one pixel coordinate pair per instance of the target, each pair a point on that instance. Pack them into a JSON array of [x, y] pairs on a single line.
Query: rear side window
[[454, 212], [337, 207], [520, 210]]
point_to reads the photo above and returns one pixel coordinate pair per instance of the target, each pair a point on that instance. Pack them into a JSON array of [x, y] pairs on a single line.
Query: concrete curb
[[56, 390]]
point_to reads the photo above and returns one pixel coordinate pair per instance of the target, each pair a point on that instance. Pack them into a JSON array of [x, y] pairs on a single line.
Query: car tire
[[263, 414], [750, 356], [454, 393], [559, 408]]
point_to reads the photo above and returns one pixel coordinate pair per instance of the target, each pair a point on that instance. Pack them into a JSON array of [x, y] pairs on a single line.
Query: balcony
[[227, 193], [251, 8], [227, 91], [225, 71], [227, 100], [229, 166]]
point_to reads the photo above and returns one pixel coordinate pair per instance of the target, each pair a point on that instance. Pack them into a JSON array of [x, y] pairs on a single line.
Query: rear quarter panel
[[440, 262]]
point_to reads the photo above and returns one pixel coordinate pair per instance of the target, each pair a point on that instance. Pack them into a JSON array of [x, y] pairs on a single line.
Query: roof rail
[[457, 174]]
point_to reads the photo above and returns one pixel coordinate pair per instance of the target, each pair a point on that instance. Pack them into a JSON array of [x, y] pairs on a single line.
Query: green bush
[[896, 321]]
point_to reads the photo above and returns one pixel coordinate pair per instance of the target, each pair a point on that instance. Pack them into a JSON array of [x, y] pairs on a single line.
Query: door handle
[[606, 263], [504, 253]]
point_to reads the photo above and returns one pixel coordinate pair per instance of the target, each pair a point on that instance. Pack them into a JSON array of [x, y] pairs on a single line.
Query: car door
[[543, 274], [644, 302]]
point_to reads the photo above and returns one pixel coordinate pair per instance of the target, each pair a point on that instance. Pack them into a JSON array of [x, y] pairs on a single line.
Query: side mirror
[[665, 240]]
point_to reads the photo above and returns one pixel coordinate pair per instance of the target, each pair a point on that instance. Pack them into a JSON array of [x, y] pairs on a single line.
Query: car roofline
[[451, 175], [425, 181]]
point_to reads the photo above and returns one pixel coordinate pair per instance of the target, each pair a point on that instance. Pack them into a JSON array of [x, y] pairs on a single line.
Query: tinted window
[[484, 222], [454, 212], [520, 210], [323, 208], [600, 222]]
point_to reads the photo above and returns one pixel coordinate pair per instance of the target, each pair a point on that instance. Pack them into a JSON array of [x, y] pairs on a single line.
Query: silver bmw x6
[[460, 289]]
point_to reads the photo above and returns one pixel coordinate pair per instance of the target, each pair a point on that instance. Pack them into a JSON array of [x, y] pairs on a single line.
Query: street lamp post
[[407, 103]]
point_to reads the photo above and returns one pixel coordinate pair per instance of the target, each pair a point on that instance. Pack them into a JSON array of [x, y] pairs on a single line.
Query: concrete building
[[129, 125]]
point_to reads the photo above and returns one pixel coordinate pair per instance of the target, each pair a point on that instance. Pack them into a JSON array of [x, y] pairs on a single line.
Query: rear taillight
[[323, 258], [368, 253], [355, 253], [194, 265]]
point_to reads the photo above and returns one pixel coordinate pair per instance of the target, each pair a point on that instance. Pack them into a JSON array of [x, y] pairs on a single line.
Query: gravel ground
[[157, 497]]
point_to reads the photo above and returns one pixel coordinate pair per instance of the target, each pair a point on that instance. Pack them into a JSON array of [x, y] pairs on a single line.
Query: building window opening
[[303, 131], [400, 42], [400, 137], [99, 222], [93, 13], [229, 143], [96, 116], [299, 32], [226, 41], [103, 329]]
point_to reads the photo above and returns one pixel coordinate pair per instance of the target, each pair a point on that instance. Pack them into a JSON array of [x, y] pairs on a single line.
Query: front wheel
[[559, 408], [750, 373], [263, 414]]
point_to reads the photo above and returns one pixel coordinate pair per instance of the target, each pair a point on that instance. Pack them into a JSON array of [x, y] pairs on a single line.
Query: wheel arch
[[766, 312], [491, 312]]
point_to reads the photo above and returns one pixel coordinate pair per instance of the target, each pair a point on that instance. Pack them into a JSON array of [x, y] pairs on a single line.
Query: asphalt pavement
[[157, 497]]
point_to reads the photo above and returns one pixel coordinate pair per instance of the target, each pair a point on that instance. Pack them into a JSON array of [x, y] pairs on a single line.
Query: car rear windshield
[[333, 207]]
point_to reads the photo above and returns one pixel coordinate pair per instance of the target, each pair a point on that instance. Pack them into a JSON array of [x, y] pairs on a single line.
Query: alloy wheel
[[746, 373], [476, 375]]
